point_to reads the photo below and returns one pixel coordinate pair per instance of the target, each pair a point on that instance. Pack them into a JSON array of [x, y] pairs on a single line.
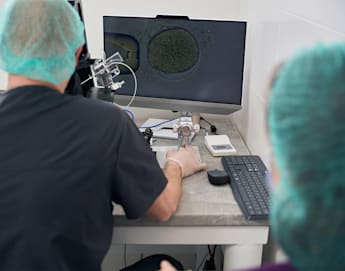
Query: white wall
[[3, 80], [276, 29], [196, 9], [202, 9]]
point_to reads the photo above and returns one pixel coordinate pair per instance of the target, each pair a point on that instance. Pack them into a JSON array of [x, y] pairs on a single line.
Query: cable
[[205, 120], [88, 79], [158, 124], [135, 80], [134, 76], [210, 264], [211, 260], [214, 251], [130, 113], [209, 250], [203, 128], [125, 255], [202, 262], [213, 127]]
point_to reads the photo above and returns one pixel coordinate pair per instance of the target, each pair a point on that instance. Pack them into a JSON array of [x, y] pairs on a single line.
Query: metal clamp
[[185, 129]]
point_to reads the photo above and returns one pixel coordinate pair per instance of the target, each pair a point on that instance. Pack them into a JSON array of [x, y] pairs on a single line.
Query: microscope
[[103, 86], [187, 126]]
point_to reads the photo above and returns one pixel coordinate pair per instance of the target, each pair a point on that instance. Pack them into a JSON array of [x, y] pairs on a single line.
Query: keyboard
[[247, 181]]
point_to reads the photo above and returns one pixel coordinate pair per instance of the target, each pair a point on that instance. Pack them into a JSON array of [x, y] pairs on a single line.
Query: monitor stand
[[196, 118]]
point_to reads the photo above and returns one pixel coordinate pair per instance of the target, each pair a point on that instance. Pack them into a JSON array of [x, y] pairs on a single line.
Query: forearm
[[173, 174], [179, 164], [167, 202]]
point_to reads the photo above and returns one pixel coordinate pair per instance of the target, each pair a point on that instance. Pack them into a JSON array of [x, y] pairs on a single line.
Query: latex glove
[[187, 159], [166, 266]]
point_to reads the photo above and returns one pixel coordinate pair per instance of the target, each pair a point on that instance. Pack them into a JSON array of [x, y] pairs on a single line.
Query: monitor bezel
[[179, 104]]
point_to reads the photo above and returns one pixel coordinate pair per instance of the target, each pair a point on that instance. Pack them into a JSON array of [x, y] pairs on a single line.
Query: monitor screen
[[180, 64]]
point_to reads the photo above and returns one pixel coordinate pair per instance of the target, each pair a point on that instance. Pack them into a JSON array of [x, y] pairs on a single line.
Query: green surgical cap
[[307, 128], [39, 39]]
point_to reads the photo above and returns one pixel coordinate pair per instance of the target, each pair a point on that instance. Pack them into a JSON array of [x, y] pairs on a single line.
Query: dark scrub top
[[63, 160]]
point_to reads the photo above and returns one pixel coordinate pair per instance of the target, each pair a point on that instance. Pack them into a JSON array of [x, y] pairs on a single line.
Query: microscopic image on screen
[[127, 46], [180, 63], [173, 51]]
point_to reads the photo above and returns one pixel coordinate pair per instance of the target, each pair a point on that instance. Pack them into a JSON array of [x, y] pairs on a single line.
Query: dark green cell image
[[127, 46], [173, 51]]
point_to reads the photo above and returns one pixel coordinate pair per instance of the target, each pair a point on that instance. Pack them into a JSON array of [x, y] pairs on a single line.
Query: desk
[[207, 215]]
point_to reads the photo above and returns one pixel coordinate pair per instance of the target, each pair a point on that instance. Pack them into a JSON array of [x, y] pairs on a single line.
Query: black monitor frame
[[153, 84]]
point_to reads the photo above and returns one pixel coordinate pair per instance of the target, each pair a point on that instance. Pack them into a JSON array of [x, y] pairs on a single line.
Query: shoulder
[[94, 105], [96, 110]]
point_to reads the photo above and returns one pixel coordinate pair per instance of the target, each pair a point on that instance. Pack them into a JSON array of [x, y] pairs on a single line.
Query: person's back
[[65, 159], [56, 183], [59, 174]]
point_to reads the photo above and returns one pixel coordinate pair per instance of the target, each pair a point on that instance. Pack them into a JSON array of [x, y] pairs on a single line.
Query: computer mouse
[[218, 177]]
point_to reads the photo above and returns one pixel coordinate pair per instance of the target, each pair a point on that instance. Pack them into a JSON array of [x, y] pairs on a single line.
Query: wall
[[276, 29], [94, 10], [3, 80]]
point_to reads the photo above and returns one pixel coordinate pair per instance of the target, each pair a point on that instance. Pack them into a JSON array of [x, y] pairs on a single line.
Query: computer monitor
[[180, 64]]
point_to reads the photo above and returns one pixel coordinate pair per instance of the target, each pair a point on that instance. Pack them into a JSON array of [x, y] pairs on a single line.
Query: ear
[[275, 173], [77, 54]]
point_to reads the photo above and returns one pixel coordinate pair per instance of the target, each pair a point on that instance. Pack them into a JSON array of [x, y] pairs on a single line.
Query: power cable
[[213, 128]]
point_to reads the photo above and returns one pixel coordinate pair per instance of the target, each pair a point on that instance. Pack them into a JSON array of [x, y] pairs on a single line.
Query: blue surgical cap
[[39, 39], [307, 128]]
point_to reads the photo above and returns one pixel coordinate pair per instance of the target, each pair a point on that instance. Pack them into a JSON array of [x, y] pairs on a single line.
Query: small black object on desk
[[148, 134], [218, 177]]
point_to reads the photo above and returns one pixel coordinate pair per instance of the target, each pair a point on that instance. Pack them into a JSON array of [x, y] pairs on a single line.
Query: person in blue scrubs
[[65, 159]]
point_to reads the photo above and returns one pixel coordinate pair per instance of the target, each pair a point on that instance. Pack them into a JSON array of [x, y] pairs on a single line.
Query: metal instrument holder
[[186, 128]]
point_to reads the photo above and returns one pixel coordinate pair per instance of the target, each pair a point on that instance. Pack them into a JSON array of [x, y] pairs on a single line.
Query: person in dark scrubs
[[65, 159]]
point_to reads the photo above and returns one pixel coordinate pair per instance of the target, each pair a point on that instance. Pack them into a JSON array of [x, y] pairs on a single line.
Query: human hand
[[187, 159], [166, 266]]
